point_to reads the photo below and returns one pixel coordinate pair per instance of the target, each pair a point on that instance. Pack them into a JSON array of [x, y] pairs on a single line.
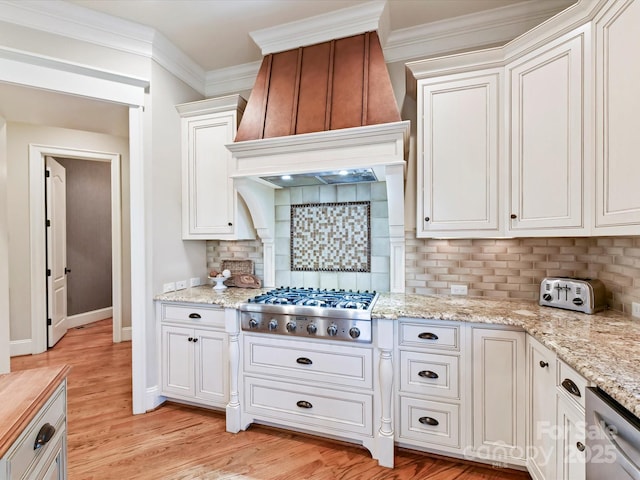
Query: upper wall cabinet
[[458, 118], [547, 162], [567, 127], [617, 35], [211, 206]]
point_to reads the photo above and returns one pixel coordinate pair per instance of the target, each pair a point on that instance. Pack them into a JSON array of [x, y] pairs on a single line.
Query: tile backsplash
[[514, 268], [500, 268]]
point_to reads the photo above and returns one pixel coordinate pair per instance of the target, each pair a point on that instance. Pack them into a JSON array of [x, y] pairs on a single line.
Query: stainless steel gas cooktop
[[310, 312]]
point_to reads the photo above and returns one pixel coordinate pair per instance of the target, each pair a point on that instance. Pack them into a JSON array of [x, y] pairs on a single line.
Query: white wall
[[171, 258], [4, 254], [19, 136]]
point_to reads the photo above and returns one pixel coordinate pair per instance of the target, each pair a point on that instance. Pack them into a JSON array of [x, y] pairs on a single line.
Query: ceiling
[[215, 33]]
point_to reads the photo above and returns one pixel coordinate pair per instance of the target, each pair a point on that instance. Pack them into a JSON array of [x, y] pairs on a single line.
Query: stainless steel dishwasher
[[613, 439]]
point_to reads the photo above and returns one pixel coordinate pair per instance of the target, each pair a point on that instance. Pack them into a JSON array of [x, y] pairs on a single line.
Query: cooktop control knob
[[253, 323], [273, 324], [354, 332], [332, 330], [291, 327], [547, 297], [312, 329]]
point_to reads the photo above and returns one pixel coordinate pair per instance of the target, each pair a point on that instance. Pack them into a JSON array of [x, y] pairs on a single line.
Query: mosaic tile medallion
[[331, 237]]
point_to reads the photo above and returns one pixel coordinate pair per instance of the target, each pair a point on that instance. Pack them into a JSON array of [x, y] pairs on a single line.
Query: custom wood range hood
[[317, 114]]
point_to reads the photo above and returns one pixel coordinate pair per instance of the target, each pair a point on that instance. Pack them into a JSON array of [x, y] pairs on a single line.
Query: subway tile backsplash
[[499, 268]]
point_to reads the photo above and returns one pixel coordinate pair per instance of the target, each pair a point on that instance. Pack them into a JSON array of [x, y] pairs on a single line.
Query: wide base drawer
[[433, 423], [309, 361], [309, 408]]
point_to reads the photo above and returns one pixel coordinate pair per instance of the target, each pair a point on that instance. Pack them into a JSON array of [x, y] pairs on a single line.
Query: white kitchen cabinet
[[541, 411], [325, 387], [211, 206], [23, 461], [194, 355], [571, 436], [617, 141], [547, 89], [458, 155], [498, 370]]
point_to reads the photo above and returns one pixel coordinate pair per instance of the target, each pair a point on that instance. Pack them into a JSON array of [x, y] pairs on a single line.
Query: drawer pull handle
[[571, 387], [194, 315], [428, 336], [304, 361], [44, 435], [429, 421], [580, 446], [427, 374], [304, 404], [543, 364]]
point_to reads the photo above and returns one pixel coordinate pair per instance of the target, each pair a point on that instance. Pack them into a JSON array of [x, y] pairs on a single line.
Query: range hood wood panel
[[332, 85]]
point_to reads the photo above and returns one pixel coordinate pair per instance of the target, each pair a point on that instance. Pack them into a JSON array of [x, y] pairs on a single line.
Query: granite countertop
[[603, 347], [22, 395]]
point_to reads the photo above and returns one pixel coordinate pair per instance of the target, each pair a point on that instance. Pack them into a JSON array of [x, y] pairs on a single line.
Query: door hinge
[[47, 173], [48, 223], [48, 272], [49, 321]]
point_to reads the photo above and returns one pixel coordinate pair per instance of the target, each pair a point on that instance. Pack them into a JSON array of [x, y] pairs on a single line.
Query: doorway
[[37, 155]]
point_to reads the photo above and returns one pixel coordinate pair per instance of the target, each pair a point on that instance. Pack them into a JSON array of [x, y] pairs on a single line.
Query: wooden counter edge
[[53, 376]]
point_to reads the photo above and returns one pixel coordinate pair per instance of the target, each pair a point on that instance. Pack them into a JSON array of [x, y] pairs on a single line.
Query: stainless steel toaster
[[586, 295]]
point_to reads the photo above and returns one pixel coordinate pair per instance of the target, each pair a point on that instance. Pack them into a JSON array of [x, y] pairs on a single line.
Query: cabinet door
[[499, 395], [570, 442], [177, 361], [541, 442], [547, 111], [617, 117], [458, 138], [209, 196], [211, 366]]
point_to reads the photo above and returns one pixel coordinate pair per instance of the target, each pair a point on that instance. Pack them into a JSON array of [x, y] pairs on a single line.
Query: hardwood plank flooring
[[177, 442]]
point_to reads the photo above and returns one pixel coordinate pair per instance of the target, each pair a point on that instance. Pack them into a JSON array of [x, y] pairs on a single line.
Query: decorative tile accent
[[331, 237]]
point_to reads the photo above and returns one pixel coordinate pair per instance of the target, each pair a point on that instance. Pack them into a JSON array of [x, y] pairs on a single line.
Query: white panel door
[[56, 251], [571, 438], [499, 394], [458, 138], [211, 366], [617, 119], [178, 361], [547, 110]]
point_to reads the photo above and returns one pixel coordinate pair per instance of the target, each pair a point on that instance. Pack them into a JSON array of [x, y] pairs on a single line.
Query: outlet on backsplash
[[458, 289], [168, 287], [181, 285]]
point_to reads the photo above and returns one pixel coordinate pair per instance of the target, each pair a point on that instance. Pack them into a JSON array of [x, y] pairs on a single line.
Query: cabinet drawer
[[311, 408], [429, 335], [308, 361], [430, 374], [193, 314], [434, 423], [571, 384], [22, 455]]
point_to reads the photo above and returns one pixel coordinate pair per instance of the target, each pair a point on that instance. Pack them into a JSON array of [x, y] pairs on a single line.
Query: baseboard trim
[[89, 317], [125, 334], [20, 347], [153, 400]]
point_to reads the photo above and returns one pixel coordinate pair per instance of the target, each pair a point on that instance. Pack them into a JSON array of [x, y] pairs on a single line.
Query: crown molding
[[321, 28], [232, 79], [489, 27], [80, 23]]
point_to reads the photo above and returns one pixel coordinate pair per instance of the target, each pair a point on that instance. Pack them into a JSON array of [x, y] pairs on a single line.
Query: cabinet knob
[[190, 339], [195, 340], [580, 446], [45, 434], [513, 216], [230, 224], [426, 219], [543, 364]]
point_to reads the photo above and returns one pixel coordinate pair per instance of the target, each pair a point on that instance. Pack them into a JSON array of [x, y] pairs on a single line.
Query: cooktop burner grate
[[312, 297]]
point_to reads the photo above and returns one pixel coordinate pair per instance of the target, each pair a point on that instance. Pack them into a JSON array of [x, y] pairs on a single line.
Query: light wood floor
[[105, 441]]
